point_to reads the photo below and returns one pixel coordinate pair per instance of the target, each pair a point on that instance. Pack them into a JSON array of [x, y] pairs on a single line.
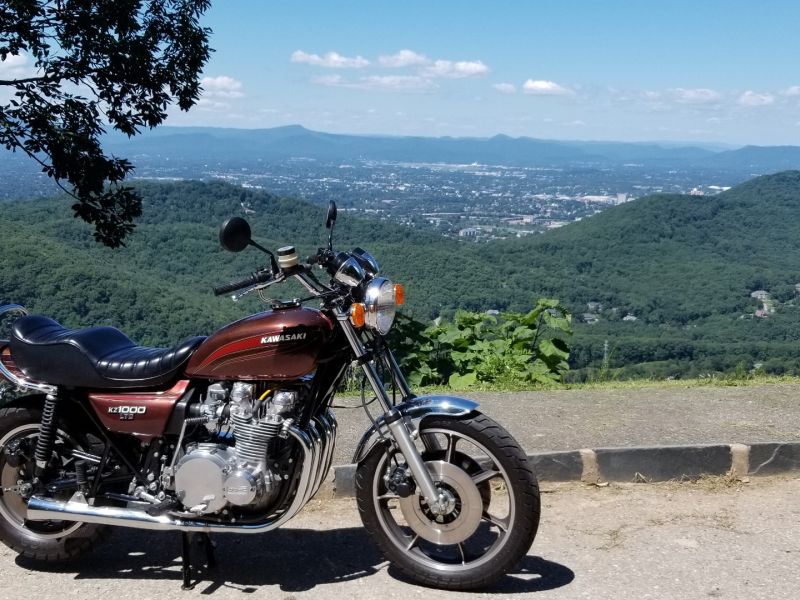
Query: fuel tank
[[274, 345]]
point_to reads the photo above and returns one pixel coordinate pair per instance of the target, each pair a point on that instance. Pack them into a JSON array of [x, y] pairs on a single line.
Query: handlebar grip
[[251, 279]]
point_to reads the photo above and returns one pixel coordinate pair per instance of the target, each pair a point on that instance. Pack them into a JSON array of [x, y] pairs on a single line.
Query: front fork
[[393, 418]]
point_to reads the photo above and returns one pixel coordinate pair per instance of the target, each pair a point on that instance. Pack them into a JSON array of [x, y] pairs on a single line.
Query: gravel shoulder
[[714, 538], [648, 416]]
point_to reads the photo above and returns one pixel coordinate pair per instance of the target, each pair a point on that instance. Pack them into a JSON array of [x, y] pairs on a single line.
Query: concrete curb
[[655, 463]]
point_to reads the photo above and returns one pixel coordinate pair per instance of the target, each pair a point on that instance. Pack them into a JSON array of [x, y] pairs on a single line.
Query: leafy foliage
[[685, 267], [120, 61], [508, 348]]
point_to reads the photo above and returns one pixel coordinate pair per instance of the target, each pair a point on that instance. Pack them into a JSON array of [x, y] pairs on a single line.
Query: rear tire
[[46, 541], [471, 546]]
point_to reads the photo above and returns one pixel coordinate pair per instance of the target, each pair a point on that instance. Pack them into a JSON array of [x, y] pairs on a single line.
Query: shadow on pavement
[[295, 560]]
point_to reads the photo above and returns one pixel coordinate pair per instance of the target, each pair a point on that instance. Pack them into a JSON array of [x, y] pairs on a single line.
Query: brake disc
[[464, 512]]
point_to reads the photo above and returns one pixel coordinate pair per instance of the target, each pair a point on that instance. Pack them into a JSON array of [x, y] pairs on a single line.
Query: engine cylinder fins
[[253, 437]]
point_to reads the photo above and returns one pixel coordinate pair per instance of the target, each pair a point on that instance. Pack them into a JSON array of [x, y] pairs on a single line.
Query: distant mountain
[[248, 145], [757, 159]]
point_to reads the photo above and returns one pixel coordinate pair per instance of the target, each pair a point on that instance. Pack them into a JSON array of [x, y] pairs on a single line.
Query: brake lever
[[259, 286]]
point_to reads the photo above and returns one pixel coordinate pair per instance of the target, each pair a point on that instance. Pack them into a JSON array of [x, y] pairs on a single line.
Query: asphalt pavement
[[619, 417], [715, 538]]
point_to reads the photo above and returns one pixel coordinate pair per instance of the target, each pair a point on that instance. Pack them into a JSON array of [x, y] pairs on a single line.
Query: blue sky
[[671, 70]]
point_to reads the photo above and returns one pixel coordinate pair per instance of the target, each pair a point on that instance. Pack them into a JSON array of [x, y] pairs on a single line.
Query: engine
[[241, 463]]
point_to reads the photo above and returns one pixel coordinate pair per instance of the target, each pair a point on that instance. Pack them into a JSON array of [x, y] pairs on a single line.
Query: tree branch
[[43, 79]]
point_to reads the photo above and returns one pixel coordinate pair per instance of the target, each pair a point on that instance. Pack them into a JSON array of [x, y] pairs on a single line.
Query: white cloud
[[456, 69], [576, 123], [695, 96], [212, 105], [751, 98], [221, 87], [16, 66], [542, 87], [407, 83], [505, 88], [792, 91], [403, 58], [331, 60]]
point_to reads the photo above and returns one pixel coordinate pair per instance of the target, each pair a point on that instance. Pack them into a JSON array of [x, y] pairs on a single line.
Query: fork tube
[[394, 418], [366, 365], [397, 374]]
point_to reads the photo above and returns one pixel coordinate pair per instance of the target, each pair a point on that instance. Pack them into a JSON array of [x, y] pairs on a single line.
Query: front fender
[[414, 411]]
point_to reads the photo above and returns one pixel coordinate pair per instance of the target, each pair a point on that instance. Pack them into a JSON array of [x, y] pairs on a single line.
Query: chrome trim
[[20, 383], [367, 261], [373, 309], [350, 273], [317, 453], [415, 410]]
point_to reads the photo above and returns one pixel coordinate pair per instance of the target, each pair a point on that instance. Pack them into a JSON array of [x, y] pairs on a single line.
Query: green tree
[[123, 62]]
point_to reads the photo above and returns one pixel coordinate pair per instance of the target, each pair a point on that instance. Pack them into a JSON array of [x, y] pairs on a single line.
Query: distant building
[[590, 318], [468, 232], [629, 317], [696, 191], [760, 294]]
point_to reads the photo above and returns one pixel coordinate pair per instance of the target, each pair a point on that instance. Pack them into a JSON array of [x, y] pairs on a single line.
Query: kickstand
[[186, 556]]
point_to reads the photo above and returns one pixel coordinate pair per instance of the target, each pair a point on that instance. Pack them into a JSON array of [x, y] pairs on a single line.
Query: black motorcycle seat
[[95, 357]]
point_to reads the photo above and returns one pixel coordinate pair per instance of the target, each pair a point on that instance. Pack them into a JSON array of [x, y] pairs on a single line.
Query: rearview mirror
[[331, 218], [234, 235]]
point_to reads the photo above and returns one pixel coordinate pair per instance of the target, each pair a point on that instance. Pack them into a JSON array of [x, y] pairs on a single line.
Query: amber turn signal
[[357, 315], [399, 294]]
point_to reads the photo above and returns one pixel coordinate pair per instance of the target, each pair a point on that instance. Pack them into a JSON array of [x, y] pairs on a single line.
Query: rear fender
[[414, 412]]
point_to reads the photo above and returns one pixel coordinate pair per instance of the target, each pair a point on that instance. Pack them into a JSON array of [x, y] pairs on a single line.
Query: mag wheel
[[492, 511], [39, 540]]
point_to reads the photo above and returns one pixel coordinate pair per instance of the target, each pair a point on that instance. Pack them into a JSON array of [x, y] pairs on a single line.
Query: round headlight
[[379, 304]]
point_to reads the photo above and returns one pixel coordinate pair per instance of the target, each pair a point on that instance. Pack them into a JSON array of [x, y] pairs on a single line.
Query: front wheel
[[492, 512]]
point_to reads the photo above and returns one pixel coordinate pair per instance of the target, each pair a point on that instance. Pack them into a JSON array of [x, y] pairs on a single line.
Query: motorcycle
[[234, 432]]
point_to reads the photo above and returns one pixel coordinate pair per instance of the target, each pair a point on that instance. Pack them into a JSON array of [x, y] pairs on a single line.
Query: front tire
[[492, 519], [46, 541]]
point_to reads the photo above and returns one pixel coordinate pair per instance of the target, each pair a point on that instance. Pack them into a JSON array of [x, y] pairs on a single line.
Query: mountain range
[[244, 146]]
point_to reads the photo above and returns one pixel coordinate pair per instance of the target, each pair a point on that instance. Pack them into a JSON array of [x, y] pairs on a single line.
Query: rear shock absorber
[[47, 433]]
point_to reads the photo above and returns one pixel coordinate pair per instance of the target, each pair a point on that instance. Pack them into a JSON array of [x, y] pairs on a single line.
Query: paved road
[[601, 418], [671, 541]]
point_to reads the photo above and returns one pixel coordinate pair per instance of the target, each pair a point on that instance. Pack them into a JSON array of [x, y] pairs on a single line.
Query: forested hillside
[[666, 280]]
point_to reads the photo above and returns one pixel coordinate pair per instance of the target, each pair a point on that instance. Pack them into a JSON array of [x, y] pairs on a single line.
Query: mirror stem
[[273, 262]]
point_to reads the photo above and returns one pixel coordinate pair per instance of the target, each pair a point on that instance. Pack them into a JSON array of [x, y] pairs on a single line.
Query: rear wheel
[[492, 513], [48, 541]]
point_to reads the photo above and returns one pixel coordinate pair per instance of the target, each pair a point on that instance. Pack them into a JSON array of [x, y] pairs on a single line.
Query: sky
[[674, 70]]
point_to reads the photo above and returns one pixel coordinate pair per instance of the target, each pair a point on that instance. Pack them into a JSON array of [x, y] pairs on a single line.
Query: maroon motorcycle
[[233, 433]]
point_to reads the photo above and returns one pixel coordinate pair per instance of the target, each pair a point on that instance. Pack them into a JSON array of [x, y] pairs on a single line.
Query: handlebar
[[252, 279]]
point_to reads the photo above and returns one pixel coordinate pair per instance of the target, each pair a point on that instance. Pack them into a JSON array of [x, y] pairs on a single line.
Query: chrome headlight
[[379, 305]]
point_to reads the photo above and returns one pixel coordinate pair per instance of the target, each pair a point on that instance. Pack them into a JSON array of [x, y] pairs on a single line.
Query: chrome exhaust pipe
[[47, 509]]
